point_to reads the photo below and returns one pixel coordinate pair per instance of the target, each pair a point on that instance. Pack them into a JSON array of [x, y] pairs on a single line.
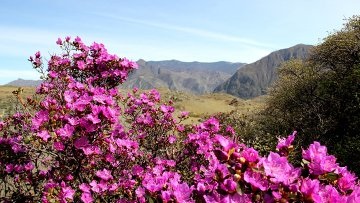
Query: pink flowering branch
[[84, 141]]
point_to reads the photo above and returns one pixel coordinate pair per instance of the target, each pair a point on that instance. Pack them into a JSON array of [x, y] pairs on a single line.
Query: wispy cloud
[[25, 41], [190, 30]]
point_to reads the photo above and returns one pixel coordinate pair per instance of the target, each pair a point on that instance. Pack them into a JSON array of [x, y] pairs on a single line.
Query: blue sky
[[187, 30]]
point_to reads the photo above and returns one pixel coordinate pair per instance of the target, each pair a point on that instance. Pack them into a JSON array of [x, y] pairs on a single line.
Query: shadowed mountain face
[[195, 77], [254, 79]]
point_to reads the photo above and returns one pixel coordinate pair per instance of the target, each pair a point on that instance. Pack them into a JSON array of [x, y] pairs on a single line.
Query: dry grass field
[[7, 98], [197, 105]]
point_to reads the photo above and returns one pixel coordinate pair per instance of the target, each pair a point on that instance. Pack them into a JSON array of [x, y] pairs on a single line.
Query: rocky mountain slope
[[254, 79], [195, 77]]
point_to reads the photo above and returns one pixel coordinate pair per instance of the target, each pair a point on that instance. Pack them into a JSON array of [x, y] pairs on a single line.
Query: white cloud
[[194, 31]]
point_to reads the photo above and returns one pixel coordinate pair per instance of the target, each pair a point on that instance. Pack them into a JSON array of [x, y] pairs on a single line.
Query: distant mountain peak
[[195, 77], [254, 79], [24, 83]]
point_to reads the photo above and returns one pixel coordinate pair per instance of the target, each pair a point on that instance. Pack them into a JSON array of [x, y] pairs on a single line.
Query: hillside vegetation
[[320, 97]]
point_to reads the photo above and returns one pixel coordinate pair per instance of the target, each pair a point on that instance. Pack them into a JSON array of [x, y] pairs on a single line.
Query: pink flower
[[183, 192], [86, 197], [250, 154], [165, 196], [78, 39], [230, 130], [285, 143], [127, 143], [102, 99], [69, 96], [99, 187], [322, 165], [256, 180], [44, 135], [81, 65], [40, 117], [91, 149], [18, 168], [137, 170], [235, 198], [9, 168], [140, 192], [59, 42], [315, 150], [180, 128], [110, 158], [104, 174], [347, 181], [211, 124], [69, 177], [184, 114], [172, 139], [95, 187], [113, 187], [320, 161], [93, 118], [66, 132], [279, 169], [225, 143], [52, 74], [310, 189], [29, 166], [127, 63], [229, 186], [59, 146], [72, 121], [110, 113], [81, 142], [37, 54], [331, 195], [66, 192], [84, 187], [354, 196], [166, 109]]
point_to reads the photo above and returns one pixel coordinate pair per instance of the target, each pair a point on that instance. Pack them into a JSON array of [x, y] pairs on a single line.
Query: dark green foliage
[[320, 97]]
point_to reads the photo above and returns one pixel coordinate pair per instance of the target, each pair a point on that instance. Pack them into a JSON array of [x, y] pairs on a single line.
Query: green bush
[[320, 97]]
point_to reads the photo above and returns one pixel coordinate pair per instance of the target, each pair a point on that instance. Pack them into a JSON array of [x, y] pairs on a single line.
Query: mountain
[[195, 77], [25, 83], [254, 79]]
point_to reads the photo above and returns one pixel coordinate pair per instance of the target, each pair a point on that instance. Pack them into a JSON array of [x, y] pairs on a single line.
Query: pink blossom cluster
[[83, 140]]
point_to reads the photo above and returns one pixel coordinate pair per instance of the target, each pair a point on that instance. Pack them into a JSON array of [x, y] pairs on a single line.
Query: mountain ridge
[[195, 77], [254, 79], [238, 79], [24, 83]]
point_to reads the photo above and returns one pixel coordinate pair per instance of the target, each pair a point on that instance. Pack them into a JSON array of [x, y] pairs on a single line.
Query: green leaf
[[332, 176]]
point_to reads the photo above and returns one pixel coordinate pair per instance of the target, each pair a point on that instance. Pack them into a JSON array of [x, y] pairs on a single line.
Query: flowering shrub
[[84, 141]]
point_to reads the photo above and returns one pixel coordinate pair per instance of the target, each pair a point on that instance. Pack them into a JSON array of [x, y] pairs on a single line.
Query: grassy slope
[[7, 98], [198, 105]]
